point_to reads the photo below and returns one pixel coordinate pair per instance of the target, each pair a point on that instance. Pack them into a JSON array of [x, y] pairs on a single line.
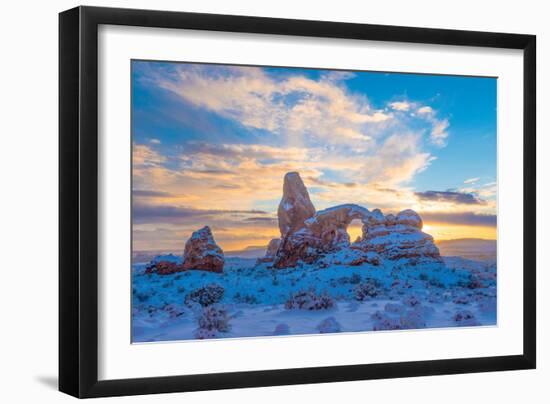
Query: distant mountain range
[[469, 248], [248, 252]]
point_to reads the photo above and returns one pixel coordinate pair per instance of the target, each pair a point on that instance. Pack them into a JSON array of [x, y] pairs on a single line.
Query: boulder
[[163, 267], [295, 206], [202, 252]]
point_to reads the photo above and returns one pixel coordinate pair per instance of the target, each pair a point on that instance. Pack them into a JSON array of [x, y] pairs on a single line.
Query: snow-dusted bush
[[329, 325], [394, 308], [282, 329], [465, 318], [461, 299], [411, 301], [309, 300], [212, 320], [366, 290], [172, 311], [201, 333], [205, 296], [384, 322], [245, 298], [412, 319], [141, 296]]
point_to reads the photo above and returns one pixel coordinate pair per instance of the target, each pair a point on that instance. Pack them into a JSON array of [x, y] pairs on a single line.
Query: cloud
[[400, 105], [262, 219], [142, 213], [450, 196], [145, 193], [293, 106], [396, 161], [460, 218], [155, 141], [250, 151], [439, 132], [471, 180], [425, 110], [145, 156]]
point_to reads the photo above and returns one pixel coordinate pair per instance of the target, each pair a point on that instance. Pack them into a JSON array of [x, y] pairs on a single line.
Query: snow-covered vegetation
[[250, 299]]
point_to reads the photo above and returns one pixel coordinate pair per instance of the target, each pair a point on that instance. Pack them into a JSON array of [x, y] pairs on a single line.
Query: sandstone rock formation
[[398, 237], [295, 206], [163, 268], [306, 236], [271, 251], [202, 252]]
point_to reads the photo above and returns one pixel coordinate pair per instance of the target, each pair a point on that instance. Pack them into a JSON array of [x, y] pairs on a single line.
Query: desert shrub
[[461, 299], [465, 318], [212, 320], [366, 290], [355, 279], [394, 308], [172, 310], [411, 320], [141, 296], [245, 298], [282, 329], [436, 283], [274, 280], [411, 301], [384, 322], [309, 300], [329, 325], [205, 296]]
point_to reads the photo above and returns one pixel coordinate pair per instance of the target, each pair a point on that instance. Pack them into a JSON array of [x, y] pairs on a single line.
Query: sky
[[212, 143]]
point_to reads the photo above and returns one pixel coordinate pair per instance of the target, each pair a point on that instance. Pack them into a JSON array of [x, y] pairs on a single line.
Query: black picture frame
[[78, 201]]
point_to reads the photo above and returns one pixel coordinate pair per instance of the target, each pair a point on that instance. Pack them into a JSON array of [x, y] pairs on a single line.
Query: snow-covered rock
[[202, 252], [306, 236], [163, 267], [330, 225], [295, 206], [398, 237]]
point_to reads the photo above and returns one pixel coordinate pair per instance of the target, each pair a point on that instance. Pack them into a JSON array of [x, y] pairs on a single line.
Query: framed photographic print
[[250, 201]]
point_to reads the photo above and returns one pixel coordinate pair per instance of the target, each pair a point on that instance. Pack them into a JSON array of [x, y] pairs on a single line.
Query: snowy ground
[[249, 300]]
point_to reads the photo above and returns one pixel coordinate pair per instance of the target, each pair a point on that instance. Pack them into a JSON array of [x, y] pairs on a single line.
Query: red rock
[[306, 236], [164, 268], [271, 251], [295, 206], [202, 252]]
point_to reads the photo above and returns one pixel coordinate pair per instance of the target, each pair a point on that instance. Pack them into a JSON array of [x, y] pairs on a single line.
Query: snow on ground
[[250, 300]]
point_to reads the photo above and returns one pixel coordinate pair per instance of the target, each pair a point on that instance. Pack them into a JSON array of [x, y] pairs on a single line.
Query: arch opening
[[355, 230]]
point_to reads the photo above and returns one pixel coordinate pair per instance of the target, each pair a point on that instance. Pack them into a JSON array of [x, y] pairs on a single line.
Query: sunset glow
[[212, 143]]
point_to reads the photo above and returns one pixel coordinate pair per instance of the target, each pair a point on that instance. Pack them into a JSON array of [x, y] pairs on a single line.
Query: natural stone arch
[[330, 225]]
